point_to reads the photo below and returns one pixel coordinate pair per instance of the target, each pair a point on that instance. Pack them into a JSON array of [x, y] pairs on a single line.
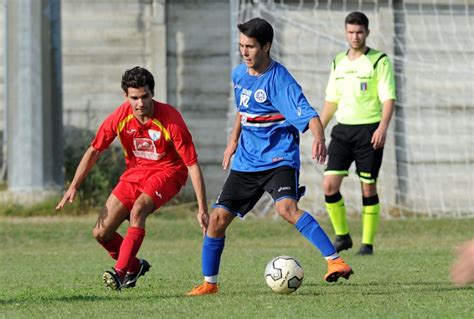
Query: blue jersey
[[273, 110]]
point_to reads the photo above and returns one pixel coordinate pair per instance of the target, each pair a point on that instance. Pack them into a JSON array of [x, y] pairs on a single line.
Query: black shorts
[[351, 143], [242, 190]]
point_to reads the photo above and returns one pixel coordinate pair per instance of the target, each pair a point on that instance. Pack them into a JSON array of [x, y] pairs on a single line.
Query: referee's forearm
[[329, 109], [387, 112]]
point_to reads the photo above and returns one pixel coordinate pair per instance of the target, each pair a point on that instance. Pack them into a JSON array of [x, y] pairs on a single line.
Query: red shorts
[[161, 187]]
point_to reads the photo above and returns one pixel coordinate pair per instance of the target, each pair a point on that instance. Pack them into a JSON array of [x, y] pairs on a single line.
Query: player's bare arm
[[88, 160], [319, 150], [328, 112], [233, 142], [380, 135], [200, 191]]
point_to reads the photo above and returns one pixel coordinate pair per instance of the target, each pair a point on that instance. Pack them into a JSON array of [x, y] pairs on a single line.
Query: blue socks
[[211, 255], [309, 227]]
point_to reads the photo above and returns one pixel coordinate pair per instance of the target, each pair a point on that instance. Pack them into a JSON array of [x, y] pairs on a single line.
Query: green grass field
[[51, 268]]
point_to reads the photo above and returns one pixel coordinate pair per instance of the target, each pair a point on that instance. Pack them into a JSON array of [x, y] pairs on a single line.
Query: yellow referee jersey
[[360, 87]]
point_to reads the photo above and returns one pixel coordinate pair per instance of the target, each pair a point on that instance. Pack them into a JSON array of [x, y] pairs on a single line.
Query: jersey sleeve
[[105, 135], [291, 102], [386, 87], [331, 89], [182, 140]]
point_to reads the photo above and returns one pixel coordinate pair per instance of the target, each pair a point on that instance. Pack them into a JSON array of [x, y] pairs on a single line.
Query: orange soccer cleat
[[337, 268], [205, 288]]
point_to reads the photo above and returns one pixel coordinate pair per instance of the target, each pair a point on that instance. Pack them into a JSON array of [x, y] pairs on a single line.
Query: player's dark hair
[[357, 18], [259, 29], [138, 77]]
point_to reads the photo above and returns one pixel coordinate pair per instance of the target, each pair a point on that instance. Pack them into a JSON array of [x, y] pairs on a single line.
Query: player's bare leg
[[110, 218], [105, 232], [128, 268]]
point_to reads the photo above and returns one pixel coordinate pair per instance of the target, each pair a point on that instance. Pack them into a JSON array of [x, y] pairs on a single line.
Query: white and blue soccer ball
[[284, 274]]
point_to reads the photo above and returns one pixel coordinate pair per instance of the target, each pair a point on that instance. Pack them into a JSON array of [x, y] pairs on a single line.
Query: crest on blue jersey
[[260, 96]]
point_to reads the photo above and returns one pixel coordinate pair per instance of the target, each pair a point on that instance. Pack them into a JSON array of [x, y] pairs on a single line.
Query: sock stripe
[[369, 201], [331, 199]]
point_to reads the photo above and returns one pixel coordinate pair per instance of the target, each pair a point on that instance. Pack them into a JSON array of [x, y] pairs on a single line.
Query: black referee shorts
[[242, 190], [351, 143]]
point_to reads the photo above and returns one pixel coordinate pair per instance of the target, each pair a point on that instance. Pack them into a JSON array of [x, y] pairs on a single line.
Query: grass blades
[[51, 267]]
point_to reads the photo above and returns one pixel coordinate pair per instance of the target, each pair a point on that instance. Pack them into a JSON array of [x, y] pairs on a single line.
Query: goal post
[[428, 165]]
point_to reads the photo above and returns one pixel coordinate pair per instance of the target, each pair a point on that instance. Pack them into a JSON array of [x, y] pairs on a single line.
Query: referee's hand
[[378, 138]]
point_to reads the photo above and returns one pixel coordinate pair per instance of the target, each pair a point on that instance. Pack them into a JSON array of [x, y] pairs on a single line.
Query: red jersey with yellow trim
[[164, 143]]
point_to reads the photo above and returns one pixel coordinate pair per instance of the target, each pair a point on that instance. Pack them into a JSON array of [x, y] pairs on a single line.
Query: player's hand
[[67, 198], [228, 152], [203, 220], [462, 271], [378, 138], [319, 151]]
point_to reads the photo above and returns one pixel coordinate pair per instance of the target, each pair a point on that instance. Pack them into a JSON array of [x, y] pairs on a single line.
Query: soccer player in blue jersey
[[361, 93], [272, 111]]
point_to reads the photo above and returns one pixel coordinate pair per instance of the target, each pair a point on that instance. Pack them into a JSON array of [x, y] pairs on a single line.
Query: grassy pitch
[[51, 268]]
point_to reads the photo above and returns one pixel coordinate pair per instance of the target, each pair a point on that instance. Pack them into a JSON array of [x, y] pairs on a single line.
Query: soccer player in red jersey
[[159, 154]]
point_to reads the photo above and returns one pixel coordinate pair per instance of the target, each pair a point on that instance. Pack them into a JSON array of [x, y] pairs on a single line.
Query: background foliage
[[103, 176]]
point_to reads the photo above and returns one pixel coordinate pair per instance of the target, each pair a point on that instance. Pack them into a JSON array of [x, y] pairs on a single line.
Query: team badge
[[363, 86], [260, 96], [154, 135]]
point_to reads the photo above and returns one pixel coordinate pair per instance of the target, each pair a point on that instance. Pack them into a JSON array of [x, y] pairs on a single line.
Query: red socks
[[128, 251], [113, 245]]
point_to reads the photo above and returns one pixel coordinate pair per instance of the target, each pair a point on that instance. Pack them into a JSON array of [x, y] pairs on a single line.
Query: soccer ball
[[284, 274]]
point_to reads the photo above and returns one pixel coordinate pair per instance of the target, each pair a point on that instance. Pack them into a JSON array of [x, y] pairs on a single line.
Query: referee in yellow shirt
[[361, 93]]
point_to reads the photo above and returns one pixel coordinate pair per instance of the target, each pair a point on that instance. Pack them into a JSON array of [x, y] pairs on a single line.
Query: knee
[[289, 213], [102, 235], [140, 212], [137, 214], [329, 187], [217, 225]]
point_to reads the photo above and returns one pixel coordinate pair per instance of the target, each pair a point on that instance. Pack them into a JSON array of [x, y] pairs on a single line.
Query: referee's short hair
[[259, 29], [357, 18]]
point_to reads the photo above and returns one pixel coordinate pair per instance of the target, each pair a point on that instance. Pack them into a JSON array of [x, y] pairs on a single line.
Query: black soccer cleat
[[131, 279], [343, 242], [366, 250], [112, 280]]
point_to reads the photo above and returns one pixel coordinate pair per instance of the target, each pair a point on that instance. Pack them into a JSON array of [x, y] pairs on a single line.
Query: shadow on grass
[[114, 296], [370, 288], [311, 289], [373, 288]]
